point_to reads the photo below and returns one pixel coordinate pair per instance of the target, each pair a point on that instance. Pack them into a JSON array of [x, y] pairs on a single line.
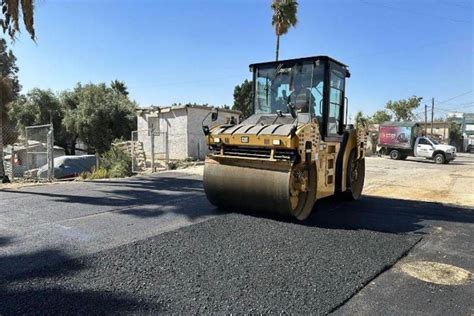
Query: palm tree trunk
[[277, 47]]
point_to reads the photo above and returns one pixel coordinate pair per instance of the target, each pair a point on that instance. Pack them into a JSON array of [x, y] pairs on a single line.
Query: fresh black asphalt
[[155, 244], [232, 263]]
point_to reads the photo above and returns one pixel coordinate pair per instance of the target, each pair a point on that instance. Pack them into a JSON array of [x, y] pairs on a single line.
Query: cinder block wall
[[184, 129], [173, 135]]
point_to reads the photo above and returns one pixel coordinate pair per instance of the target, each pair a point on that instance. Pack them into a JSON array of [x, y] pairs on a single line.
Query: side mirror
[[291, 109], [215, 115]]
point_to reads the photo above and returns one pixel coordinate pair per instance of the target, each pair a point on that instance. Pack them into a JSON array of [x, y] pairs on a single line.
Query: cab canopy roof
[[300, 60], [297, 60]]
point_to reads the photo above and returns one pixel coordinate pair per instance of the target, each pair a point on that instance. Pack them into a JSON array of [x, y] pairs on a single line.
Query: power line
[[457, 109], [183, 82], [460, 104], [385, 52], [454, 4], [462, 94]]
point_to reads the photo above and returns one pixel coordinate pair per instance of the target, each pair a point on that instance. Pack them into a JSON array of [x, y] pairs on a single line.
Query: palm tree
[[11, 13], [360, 119], [284, 17]]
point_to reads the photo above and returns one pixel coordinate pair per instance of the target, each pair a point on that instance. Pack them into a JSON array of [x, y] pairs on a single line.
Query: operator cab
[[299, 90]]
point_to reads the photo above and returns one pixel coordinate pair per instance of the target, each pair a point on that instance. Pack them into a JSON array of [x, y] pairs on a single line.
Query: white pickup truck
[[400, 140], [431, 149]]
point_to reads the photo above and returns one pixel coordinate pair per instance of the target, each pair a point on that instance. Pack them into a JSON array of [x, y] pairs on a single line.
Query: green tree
[[284, 17], [243, 99], [403, 109], [36, 107], [98, 115], [9, 89], [40, 107], [12, 11], [8, 67], [380, 116], [119, 87], [455, 135]]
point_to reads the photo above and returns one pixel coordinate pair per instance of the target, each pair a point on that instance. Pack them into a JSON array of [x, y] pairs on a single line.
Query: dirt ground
[[422, 180], [415, 179]]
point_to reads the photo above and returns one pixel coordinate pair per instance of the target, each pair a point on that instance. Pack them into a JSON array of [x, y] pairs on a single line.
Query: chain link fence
[[28, 154], [149, 149]]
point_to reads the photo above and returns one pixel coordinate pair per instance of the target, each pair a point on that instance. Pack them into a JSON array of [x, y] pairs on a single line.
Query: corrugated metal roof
[[178, 107], [401, 124]]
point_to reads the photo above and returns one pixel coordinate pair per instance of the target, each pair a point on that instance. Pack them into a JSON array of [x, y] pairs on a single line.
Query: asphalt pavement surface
[[229, 264], [154, 244], [50, 223]]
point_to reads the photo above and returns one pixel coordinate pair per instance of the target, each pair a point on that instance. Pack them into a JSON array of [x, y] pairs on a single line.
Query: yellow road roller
[[296, 148]]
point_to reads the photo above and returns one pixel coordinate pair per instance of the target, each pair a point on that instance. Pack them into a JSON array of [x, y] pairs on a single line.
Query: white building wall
[[197, 147], [180, 132], [172, 136]]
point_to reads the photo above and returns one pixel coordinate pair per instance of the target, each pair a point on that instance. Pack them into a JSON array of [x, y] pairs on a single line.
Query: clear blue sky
[[197, 51]]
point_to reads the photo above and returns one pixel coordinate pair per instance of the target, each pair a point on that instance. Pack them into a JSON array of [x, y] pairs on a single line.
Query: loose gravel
[[232, 263]]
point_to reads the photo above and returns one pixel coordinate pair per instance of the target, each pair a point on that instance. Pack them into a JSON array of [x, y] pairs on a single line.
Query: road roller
[[294, 149]]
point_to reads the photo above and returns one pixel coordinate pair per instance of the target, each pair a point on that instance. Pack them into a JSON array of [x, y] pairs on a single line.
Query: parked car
[[69, 166]]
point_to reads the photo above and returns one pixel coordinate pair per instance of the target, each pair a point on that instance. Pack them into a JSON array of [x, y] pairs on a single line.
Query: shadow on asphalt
[[155, 196], [378, 214], [456, 162], [431, 162], [4, 241], [55, 297], [385, 214], [144, 197]]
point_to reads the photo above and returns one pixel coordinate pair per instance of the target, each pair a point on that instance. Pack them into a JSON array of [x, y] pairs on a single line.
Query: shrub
[[117, 163], [172, 165], [114, 163], [84, 175], [100, 173]]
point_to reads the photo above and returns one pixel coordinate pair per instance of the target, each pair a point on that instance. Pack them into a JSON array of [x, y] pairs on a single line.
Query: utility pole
[[426, 119], [432, 115]]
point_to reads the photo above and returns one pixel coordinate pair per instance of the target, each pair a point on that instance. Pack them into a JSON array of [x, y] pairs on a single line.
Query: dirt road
[[422, 180]]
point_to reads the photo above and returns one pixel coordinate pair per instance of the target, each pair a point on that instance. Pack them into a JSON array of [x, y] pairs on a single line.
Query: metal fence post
[[50, 153], [132, 143], [167, 149], [12, 162], [26, 150], [153, 150]]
